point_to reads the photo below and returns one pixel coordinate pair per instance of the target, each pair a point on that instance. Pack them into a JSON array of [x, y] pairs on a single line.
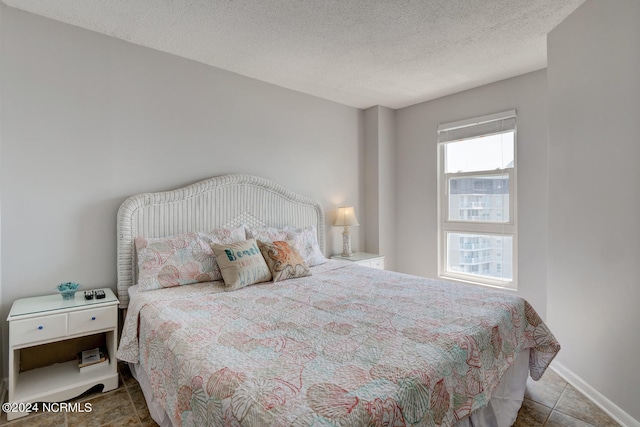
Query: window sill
[[512, 286]]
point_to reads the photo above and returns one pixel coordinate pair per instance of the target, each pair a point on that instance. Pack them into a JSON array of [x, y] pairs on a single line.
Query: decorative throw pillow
[[283, 260], [241, 264], [181, 259]]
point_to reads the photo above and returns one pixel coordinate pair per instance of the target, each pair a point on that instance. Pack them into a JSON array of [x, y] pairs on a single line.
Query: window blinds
[[476, 127]]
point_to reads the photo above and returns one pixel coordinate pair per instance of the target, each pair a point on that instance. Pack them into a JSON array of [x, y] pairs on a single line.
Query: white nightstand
[[45, 335], [363, 258]]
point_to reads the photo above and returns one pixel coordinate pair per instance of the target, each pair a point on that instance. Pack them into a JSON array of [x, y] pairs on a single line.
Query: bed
[[346, 345]]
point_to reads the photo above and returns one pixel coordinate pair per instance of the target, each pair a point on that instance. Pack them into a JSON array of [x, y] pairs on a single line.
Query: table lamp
[[346, 217]]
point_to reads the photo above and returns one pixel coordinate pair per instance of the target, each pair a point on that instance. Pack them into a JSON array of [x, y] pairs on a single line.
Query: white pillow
[[304, 240]]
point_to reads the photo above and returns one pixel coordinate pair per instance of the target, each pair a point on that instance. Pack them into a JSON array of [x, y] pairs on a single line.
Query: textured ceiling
[[356, 52]]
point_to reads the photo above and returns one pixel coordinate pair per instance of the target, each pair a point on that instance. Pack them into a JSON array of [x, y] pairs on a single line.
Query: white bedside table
[[363, 258], [45, 335]]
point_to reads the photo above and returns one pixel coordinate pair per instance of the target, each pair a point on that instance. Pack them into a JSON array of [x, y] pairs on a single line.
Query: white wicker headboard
[[222, 201]]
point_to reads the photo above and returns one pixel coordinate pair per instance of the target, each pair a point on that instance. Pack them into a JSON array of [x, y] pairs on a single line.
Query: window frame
[[479, 227]]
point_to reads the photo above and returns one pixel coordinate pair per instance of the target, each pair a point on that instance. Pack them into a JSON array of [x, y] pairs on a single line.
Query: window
[[477, 200]]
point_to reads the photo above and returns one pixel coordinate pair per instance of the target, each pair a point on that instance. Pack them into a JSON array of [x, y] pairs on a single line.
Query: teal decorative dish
[[68, 290]]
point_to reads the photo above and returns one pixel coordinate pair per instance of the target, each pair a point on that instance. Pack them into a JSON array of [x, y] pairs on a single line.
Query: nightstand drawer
[[38, 329], [364, 259], [92, 320], [377, 263]]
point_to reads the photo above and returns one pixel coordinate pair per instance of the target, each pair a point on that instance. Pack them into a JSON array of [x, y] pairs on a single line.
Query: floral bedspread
[[347, 346]]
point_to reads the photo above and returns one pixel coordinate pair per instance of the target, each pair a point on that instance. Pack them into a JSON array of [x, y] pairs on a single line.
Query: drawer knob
[[40, 327], [93, 318]]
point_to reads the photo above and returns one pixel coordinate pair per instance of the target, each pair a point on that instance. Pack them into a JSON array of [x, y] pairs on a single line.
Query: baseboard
[[614, 411]]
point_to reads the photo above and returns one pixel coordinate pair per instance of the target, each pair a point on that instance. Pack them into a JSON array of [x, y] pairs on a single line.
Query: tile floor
[[122, 407], [550, 402]]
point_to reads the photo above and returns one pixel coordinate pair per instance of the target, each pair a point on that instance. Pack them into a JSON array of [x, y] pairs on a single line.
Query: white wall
[[88, 120], [370, 157], [387, 185], [594, 197], [416, 171], [379, 181]]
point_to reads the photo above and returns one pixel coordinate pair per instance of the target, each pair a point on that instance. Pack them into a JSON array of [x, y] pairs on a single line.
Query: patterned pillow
[[225, 235], [267, 234], [182, 259], [283, 260], [305, 240], [241, 264]]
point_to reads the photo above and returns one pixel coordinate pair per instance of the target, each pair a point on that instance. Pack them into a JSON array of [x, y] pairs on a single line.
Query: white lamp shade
[[346, 216]]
